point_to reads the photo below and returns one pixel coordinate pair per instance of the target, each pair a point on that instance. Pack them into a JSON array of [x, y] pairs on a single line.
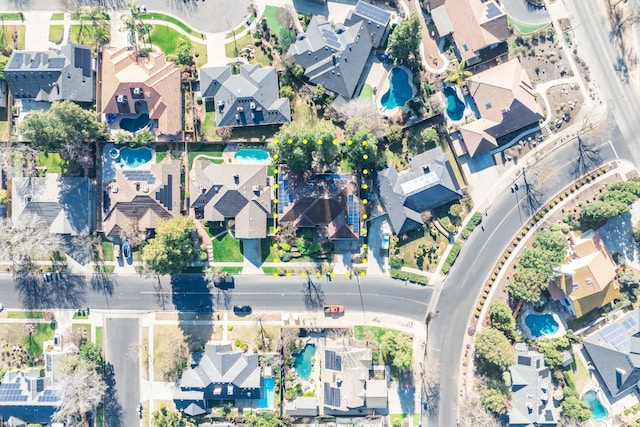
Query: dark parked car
[[242, 309]]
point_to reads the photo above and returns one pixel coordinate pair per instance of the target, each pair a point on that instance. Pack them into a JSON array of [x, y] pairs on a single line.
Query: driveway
[[252, 256], [378, 259], [525, 12]]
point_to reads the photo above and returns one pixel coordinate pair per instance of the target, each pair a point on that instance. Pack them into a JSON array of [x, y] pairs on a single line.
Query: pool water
[[455, 107], [597, 408], [541, 324], [400, 90], [134, 125], [302, 361], [251, 155], [267, 400], [135, 157]]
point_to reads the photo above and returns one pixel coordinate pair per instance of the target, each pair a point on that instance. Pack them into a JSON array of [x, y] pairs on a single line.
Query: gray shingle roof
[[27, 396], [376, 19], [65, 74], [333, 55], [429, 183], [250, 98]]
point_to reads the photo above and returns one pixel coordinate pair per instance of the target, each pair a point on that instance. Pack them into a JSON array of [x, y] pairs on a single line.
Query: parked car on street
[[242, 309]]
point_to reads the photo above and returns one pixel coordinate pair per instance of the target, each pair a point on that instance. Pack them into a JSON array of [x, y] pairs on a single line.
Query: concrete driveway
[[378, 264], [252, 256]]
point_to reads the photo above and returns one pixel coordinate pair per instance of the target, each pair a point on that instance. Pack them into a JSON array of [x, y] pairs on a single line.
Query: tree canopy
[[404, 40], [396, 350], [162, 417], [573, 407], [171, 250], [501, 316], [80, 388], [361, 148], [493, 347], [65, 128], [303, 145], [264, 419]]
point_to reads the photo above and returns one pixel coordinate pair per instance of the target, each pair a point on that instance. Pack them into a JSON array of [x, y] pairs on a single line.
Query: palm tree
[[95, 16], [457, 74]]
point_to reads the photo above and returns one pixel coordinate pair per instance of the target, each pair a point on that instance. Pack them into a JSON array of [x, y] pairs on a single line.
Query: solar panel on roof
[[36, 61], [56, 62], [492, 11], [369, 11], [331, 395], [16, 60], [548, 415], [332, 360], [524, 360], [82, 59]]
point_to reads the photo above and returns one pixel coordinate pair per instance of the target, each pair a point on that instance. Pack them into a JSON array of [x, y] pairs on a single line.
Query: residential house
[[588, 281], [67, 204], [219, 374], [133, 85], [377, 21], [302, 407], [136, 200], [333, 55], [427, 184], [238, 192], [347, 387], [250, 98], [479, 29], [327, 203], [531, 388], [505, 103], [52, 75], [615, 353]]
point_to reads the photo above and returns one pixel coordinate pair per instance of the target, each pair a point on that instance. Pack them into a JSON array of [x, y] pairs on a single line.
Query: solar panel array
[[524, 360], [492, 10], [11, 393], [630, 324], [332, 360], [353, 214], [16, 60], [57, 62], [36, 61], [617, 337], [165, 194], [369, 11], [135, 175], [82, 59], [331, 38], [331, 395], [548, 415], [48, 396], [283, 193]]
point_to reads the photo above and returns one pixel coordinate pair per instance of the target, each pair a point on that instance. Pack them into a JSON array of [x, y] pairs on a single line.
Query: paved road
[[122, 372], [188, 292], [479, 254]]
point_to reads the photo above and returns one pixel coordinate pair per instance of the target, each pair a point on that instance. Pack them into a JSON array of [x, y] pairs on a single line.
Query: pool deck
[[470, 110], [109, 166], [562, 326], [385, 85]]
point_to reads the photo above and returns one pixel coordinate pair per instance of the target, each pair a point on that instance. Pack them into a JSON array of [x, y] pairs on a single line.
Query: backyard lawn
[[52, 161], [168, 39], [56, 33], [211, 150], [226, 249], [366, 92]]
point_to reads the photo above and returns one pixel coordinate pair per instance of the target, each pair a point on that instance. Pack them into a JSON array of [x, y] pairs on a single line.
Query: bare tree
[[80, 388], [473, 414], [173, 359], [287, 232], [131, 231], [364, 110], [27, 238]]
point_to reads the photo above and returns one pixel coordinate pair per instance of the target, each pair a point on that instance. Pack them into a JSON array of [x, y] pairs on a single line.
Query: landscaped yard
[[366, 92], [525, 28], [361, 332], [415, 239], [211, 150], [167, 39], [151, 16], [107, 250], [58, 16], [274, 23], [33, 344], [396, 419], [56, 33], [82, 328], [52, 161], [229, 48], [226, 249], [8, 35], [15, 16]]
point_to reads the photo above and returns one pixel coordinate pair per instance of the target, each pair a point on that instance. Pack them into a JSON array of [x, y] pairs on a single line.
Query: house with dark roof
[[376, 19], [333, 55], [505, 102], [327, 203], [135, 200], [238, 192], [427, 184], [218, 375], [250, 98], [52, 75], [615, 353], [347, 384], [67, 204], [531, 388], [587, 281], [479, 29]]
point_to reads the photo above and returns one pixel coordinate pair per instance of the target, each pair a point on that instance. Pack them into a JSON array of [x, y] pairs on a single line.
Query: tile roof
[[159, 80], [505, 101], [65, 203], [53, 75], [250, 98], [332, 55], [429, 183]]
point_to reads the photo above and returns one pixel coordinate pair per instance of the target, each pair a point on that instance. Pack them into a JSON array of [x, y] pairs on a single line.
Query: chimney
[[620, 374], [236, 179]]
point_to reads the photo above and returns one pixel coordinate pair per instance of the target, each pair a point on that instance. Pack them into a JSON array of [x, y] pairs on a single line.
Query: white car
[[384, 243], [1, 307]]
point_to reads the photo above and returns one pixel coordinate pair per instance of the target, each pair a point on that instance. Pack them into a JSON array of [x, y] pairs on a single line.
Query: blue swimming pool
[[135, 157], [455, 107], [267, 401], [598, 410], [541, 324], [134, 125], [251, 155], [400, 90], [302, 361]]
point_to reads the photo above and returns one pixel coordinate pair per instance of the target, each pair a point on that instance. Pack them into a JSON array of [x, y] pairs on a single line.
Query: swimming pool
[[302, 361], [597, 408], [541, 324], [134, 125], [455, 107], [251, 155], [267, 401], [135, 157], [400, 90]]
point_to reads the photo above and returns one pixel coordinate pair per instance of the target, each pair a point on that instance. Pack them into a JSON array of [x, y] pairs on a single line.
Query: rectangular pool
[[267, 401]]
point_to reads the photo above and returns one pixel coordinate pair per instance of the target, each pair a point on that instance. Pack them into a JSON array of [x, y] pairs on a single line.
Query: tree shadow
[[66, 291], [112, 408], [313, 295], [191, 297], [588, 158], [101, 282], [406, 392]]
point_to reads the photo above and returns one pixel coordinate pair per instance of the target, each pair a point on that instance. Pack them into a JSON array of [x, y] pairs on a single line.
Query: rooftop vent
[[120, 98], [236, 178], [252, 105], [137, 91]]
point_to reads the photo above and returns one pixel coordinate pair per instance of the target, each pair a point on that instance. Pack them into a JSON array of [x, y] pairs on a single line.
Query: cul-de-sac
[[293, 213]]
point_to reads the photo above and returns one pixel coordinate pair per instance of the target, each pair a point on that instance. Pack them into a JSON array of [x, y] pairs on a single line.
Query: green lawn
[[525, 28], [396, 419], [240, 28], [16, 16], [168, 39], [81, 327], [33, 344], [226, 249], [231, 270], [98, 336], [366, 92], [107, 250], [26, 315], [275, 25], [8, 35], [76, 37], [360, 332], [212, 150], [52, 161], [56, 33], [166, 18], [161, 154], [58, 16], [208, 128], [229, 48]]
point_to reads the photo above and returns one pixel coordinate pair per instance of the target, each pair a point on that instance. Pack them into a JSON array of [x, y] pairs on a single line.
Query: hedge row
[[476, 219], [451, 258], [412, 277]]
